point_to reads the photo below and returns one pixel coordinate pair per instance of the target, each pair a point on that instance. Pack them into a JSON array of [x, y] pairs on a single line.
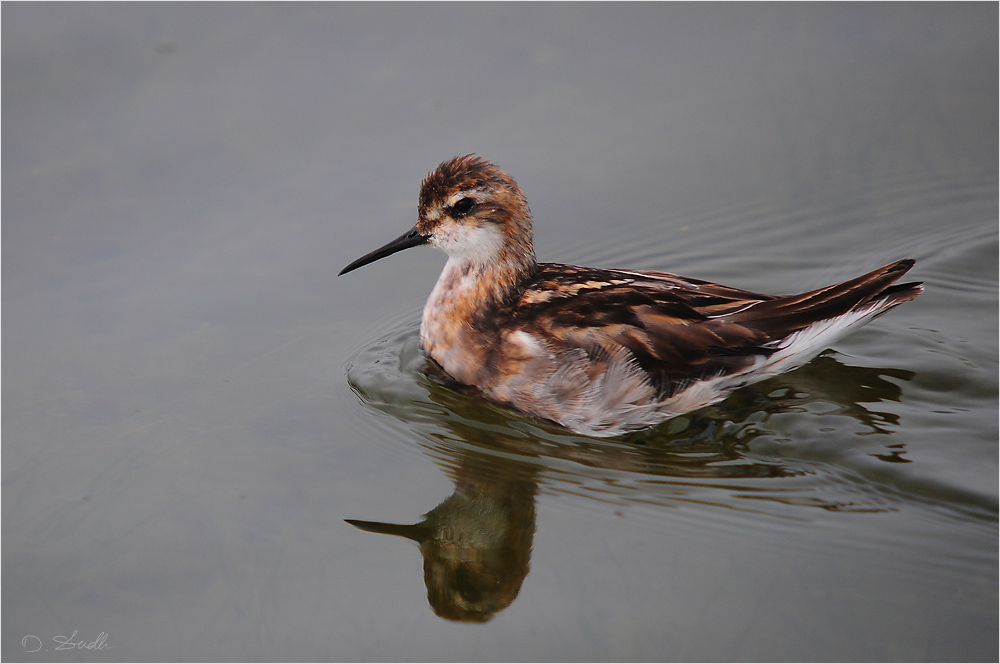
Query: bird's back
[[604, 351]]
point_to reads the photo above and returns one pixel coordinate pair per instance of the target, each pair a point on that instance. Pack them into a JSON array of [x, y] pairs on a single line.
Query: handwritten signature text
[[32, 643]]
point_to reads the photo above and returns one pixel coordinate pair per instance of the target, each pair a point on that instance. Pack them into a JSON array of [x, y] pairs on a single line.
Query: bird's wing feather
[[681, 329]]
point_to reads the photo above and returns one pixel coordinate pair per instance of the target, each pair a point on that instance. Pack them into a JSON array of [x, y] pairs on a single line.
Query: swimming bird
[[603, 351]]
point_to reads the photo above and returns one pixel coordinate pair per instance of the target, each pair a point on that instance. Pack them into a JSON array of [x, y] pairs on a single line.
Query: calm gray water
[[194, 402]]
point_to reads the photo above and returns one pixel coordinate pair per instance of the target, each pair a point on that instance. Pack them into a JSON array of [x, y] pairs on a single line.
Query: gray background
[[193, 401]]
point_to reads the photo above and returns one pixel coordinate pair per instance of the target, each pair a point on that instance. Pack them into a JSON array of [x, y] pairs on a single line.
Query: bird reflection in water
[[476, 544]]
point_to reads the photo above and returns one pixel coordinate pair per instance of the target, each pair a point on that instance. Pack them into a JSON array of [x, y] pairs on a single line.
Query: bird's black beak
[[410, 238]]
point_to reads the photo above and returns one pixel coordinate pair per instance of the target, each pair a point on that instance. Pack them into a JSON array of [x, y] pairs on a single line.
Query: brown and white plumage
[[603, 351]]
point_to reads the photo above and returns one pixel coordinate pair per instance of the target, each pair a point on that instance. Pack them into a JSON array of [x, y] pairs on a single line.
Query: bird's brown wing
[[680, 329]]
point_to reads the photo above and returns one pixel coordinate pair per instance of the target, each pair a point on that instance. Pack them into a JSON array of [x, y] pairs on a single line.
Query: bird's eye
[[463, 207]]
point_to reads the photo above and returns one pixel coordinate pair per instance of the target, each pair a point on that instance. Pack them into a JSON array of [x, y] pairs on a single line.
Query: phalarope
[[603, 351]]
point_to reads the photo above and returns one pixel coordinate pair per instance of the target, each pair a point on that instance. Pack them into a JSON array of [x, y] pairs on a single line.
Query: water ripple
[[785, 447]]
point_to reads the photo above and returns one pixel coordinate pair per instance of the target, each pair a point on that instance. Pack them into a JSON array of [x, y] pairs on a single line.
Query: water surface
[[194, 403]]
